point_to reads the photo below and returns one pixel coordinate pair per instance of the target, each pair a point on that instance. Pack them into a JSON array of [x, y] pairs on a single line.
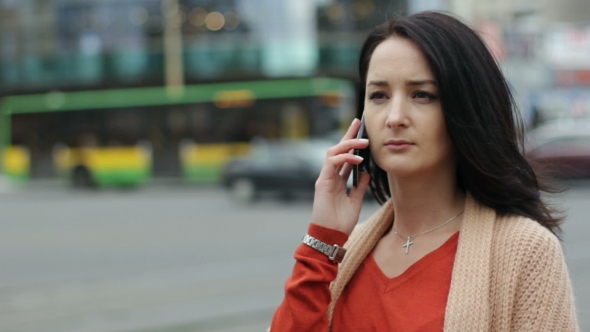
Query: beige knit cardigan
[[509, 273]]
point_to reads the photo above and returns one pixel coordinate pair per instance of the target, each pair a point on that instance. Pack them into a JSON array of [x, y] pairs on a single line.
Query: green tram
[[127, 136]]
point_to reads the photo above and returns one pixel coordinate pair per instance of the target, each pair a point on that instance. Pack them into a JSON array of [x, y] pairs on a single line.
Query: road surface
[[172, 258]]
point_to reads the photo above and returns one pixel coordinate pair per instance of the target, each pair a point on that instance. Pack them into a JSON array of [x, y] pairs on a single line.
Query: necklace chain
[[409, 238]]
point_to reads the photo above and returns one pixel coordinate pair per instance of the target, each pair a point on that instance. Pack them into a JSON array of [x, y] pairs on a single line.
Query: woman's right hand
[[332, 206]]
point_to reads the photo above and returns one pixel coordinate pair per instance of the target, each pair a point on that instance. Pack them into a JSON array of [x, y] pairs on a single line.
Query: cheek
[[375, 135], [442, 140], [378, 157], [436, 137], [437, 128], [371, 125]]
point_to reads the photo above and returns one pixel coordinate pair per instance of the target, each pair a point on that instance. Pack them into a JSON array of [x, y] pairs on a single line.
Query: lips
[[398, 144]]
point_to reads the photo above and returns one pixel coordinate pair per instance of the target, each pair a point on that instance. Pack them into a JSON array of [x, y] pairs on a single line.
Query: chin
[[400, 169], [398, 165], [401, 172]]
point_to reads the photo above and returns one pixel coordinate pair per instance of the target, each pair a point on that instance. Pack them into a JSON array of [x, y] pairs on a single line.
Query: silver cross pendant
[[408, 244]]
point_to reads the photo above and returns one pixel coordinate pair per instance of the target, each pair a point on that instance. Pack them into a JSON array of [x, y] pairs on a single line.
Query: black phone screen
[[356, 168]]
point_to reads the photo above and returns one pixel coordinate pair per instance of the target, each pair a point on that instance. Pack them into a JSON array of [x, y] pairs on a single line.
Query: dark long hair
[[480, 115]]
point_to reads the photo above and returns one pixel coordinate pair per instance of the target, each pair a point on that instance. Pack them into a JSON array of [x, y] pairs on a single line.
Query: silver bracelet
[[334, 252]]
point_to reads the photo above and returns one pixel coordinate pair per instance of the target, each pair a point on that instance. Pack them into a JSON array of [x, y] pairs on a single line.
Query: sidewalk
[[10, 186], [6, 185]]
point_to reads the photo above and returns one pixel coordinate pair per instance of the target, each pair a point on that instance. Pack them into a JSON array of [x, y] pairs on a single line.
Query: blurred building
[[542, 43], [67, 44], [53, 47], [105, 43], [543, 47], [72, 44], [56, 48]]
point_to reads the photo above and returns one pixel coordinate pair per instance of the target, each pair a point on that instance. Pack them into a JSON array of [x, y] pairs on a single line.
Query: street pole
[[173, 58], [5, 134]]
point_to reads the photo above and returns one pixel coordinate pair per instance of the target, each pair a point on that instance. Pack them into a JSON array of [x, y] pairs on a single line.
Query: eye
[[377, 95], [423, 96]]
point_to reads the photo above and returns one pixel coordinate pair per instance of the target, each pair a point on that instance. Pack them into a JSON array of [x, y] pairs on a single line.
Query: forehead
[[398, 57]]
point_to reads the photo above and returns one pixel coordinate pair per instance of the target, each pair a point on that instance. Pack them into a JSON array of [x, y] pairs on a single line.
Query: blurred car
[[562, 147], [286, 168]]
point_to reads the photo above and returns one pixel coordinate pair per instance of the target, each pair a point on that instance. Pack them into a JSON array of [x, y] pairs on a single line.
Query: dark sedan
[[283, 168], [562, 147]]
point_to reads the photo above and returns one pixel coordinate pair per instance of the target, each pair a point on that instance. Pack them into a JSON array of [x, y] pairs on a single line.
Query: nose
[[397, 116]]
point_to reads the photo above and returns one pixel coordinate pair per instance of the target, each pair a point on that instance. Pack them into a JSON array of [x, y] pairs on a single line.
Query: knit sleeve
[[544, 299], [307, 291]]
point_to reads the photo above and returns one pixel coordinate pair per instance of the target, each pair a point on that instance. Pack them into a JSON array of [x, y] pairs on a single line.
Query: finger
[[352, 130], [346, 146], [345, 170], [333, 165], [358, 193]]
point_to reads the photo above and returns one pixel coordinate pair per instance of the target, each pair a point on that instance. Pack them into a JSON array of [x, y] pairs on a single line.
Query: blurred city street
[[119, 121], [157, 258], [172, 258]]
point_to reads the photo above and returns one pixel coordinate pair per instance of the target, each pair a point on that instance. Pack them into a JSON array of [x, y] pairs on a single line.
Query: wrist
[[335, 253], [327, 234]]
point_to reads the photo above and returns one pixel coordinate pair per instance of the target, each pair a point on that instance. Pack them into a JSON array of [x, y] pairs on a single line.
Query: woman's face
[[403, 114]]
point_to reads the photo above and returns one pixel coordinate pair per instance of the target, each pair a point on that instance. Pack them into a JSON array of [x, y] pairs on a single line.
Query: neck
[[424, 202]]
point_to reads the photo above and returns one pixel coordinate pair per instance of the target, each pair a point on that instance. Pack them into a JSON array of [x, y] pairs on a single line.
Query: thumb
[[358, 193]]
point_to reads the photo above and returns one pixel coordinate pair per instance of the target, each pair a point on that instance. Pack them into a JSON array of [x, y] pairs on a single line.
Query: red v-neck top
[[413, 301]]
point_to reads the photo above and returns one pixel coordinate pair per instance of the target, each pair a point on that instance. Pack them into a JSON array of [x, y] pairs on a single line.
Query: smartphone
[[356, 169]]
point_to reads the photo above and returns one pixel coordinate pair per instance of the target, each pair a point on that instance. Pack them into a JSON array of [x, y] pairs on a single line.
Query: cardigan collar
[[471, 271]]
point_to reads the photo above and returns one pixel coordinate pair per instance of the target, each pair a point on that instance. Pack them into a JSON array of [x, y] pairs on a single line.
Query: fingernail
[[359, 157], [363, 139], [353, 121]]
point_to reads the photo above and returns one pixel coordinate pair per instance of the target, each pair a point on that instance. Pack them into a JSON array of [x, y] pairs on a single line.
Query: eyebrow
[[421, 82], [410, 83], [378, 83]]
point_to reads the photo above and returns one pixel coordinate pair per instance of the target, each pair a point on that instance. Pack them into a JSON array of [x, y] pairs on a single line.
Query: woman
[[463, 240]]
